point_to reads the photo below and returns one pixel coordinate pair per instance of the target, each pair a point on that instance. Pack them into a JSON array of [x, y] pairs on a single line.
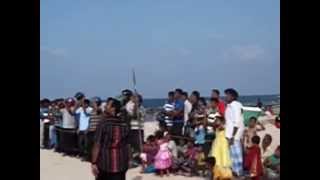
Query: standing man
[[234, 129], [68, 119], [187, 108], [110, 154], [221, 106], [83, 113], [177, 114], [136, 114], [95, 119]]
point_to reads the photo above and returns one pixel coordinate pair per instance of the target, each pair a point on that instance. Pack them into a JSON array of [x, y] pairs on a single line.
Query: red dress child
[[253, 162]]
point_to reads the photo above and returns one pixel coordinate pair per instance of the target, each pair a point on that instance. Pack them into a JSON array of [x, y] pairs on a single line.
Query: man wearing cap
[[234, 130]]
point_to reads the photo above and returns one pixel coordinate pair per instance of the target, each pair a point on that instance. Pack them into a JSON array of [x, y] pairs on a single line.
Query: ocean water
[[245, 100]]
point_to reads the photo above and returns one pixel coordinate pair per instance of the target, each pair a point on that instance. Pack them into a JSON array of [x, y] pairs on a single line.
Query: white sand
[[53, 166]]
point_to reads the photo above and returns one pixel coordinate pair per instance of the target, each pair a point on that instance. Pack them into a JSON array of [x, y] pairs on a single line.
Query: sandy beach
[[54, 166]]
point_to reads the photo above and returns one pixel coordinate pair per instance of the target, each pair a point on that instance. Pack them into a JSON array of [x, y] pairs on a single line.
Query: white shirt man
[[234, 118], [68, 120]]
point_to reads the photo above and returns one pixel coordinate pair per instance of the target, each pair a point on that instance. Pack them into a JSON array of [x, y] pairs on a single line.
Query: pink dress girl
[[163, 159]]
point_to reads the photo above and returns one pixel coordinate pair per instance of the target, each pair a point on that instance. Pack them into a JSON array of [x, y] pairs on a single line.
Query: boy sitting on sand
[[150, 150], [272, 165], [185, 164]]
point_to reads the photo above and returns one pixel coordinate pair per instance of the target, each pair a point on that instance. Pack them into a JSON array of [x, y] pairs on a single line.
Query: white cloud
[[245, 53]]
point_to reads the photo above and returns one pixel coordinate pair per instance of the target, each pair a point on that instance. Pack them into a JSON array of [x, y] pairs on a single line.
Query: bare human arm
[[262, 128]]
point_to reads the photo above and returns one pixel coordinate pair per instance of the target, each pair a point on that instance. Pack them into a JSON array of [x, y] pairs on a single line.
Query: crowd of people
[[194, 137]]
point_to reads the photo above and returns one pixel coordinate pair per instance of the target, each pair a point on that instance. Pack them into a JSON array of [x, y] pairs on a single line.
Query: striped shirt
[[168, 108], [94, 122], [112, 136]]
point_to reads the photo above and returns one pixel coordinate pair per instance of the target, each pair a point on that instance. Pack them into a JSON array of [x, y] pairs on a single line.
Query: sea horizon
[[249, 100]]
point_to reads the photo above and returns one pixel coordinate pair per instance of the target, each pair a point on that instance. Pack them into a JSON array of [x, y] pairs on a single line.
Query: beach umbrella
[[249, 112]]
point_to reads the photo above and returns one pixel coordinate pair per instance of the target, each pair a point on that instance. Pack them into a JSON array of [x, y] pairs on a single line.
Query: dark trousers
[[111, 176], [176, 129], [82, 143], [134, 139], [90, 142]]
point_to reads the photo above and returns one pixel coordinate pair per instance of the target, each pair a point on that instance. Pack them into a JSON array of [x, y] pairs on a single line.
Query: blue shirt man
[[178, 113], [178, 106], [83, 117], [83, 114]]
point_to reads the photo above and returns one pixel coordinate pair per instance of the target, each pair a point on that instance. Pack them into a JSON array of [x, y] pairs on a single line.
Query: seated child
[[172, 145], [252, 161], [272, 165], [251, 131], [150, 149], [163, 158], [186, 161], [189, 164], [182, 146], [201, 164], [265, 147], [181, 150]]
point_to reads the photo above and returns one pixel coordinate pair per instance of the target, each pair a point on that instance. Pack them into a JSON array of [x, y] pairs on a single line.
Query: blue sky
[[92, 45]]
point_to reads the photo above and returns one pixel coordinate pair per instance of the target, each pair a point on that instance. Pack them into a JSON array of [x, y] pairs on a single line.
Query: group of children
[[162, 154], [165, 154]]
